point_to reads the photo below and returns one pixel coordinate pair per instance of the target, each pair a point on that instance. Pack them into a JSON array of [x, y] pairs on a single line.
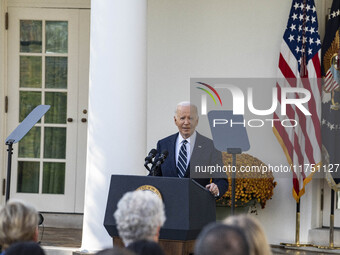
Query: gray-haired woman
[[139, 215]]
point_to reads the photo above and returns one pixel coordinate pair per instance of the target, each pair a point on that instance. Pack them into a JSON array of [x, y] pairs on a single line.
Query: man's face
[[186, 119]]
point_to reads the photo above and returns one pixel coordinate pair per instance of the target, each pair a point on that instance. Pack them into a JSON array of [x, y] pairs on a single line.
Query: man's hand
[[212, 187]]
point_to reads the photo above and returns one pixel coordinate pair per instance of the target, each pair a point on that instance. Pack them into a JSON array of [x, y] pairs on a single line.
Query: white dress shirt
[[190, 146]]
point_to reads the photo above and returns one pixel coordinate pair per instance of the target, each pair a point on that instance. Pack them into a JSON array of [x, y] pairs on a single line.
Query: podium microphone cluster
[[161, 158], [149, 157], [154, 171]]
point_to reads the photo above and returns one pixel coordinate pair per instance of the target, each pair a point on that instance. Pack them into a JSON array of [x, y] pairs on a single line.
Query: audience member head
[[145, 247], [256, 237], [115, 251], [139, 215], [18, 223], [221, 239], [24, 248], [186, 118]]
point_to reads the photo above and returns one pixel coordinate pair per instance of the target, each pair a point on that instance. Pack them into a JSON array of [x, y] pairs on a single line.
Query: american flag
[[331, 80], [299, 67]]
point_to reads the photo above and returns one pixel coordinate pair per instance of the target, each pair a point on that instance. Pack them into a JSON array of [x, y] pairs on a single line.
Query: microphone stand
[[155, 168], [149, 158], [146, 166], [157, 163]]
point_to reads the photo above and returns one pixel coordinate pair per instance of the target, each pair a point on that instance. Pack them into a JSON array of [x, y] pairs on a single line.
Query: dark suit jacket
[[204, 154]]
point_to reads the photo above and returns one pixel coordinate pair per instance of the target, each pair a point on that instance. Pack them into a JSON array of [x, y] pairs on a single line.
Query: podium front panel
[[188, 206]]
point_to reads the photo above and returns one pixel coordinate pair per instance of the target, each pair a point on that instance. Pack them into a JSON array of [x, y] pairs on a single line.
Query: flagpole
[[330, 55], [297, 230], [307, 48], [331, 226], [331, 222], [297, 225]]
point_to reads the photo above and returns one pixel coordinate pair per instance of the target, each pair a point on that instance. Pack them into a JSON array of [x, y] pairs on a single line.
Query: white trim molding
[[79, 4]]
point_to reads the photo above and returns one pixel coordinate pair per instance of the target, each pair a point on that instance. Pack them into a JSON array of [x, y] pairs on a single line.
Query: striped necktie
[[182, 160]]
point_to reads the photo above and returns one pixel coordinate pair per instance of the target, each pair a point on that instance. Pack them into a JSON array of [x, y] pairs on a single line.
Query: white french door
[[48, 57]]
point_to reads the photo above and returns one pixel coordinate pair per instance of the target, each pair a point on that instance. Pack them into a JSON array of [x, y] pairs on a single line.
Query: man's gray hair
[[138, 216], [186, 103]]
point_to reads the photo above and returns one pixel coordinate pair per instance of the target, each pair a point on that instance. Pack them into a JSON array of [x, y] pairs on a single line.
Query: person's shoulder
[[168, 138], [203, 139]]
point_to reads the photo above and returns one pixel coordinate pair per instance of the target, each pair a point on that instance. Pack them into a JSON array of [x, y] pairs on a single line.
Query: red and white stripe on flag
[[299, 67], [330, 83]]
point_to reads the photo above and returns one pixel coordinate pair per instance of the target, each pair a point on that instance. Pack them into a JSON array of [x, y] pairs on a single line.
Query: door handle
[[83, 120], [69, 119]]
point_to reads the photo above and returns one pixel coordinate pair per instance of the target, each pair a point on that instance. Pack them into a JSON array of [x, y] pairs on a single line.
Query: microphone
[[161, 158], [157, 162], [149, 157]]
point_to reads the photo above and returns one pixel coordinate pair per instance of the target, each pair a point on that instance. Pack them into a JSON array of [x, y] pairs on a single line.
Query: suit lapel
[[197, 153], [172, 154]]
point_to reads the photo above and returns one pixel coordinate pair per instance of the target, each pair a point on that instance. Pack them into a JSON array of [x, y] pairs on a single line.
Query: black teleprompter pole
[[230, 138], [9, 143], [233, 152], [17, 134]]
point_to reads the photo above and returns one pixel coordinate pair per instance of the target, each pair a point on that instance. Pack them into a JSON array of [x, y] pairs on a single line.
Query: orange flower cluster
[[252, 184]]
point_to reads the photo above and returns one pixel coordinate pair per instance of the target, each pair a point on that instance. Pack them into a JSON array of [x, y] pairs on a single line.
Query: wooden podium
[[188, 208]]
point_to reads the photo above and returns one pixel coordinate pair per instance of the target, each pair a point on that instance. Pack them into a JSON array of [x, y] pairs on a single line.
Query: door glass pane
[[30, 72], [56, 72], [58, 102], [28, 101], [56, 36], [54, 178], [55, 142], [30, 36], [28, 177], [29, 146], [43, 79]]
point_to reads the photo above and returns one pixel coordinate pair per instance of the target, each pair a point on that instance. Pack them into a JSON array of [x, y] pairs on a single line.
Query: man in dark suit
[[188, 148]]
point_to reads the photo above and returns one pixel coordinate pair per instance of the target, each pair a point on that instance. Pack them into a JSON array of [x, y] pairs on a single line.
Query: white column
[[117, 106]]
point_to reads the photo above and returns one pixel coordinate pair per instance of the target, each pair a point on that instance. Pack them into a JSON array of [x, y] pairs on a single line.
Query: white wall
[[224, 38]]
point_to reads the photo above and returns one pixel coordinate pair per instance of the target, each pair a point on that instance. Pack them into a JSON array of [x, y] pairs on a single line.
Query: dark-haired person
[[145, 247], [221, 239], [115, 251], [25, 248], [188, 148]]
